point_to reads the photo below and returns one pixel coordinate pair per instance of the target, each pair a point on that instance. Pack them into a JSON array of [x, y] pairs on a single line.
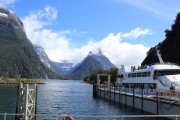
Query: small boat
[[165, 76]]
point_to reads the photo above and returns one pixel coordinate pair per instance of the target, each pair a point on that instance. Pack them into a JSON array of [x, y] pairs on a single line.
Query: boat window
[[168, 72], [155, 75], [120, 75], [129, 75], [176, 83], [160, 73], [138, 74], [144, 74], [134, 75], [146, 85]]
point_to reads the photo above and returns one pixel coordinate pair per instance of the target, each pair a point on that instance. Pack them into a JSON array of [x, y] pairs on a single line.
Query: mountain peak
[[98, 52], [90, 53]]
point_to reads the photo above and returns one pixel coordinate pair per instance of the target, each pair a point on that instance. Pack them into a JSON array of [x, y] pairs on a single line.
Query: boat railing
[[122, 117], [167, 63], [173, 95]]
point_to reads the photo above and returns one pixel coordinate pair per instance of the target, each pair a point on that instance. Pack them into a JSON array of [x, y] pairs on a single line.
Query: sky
[[69, 29]]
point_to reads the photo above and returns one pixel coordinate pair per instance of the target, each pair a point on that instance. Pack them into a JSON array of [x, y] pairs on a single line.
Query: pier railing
[[172, 95], [4, 116]]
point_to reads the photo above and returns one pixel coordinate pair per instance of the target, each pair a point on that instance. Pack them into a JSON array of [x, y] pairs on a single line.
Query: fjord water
[[8, 99], [74, 97], [59, 97]]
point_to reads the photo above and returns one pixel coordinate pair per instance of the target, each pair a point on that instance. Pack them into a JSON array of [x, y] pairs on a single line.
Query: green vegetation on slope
[[18, 81], [17, 56], [170, 47], [93, 77]]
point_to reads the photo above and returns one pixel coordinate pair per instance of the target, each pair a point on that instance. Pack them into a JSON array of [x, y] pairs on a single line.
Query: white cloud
[[57, 44], [73, 32], [120, 52], [4, 3], [134, 34]]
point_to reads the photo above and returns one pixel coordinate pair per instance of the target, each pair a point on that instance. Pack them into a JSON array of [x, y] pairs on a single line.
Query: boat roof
[[165, 66]]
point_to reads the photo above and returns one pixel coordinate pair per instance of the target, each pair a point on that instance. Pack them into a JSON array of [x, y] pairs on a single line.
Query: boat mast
[[159, 56]]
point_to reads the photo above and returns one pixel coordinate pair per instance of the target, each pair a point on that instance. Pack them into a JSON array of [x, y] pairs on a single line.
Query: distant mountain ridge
[[17, 56], [63, 67], [93, 61]]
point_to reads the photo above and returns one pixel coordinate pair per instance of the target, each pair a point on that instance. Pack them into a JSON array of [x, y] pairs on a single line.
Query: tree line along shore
[[19, 80]]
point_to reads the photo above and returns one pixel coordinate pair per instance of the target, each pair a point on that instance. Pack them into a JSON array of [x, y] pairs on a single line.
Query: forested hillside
[[170, 47], [17, 56]]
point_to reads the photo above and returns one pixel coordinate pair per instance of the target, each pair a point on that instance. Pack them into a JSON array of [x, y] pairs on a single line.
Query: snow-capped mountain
[[42, 56], [106, 63], [63, 67], [93, 61]]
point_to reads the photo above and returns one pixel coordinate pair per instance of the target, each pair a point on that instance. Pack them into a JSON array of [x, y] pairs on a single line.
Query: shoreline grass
[[19, 80]]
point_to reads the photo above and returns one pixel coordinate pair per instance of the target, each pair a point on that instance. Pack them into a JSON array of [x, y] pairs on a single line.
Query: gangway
[[26, 102]]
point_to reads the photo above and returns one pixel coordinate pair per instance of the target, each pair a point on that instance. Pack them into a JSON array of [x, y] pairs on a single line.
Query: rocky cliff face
[[17, 56]]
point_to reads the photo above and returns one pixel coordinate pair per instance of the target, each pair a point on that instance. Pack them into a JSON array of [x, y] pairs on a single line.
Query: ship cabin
[[157, 76]]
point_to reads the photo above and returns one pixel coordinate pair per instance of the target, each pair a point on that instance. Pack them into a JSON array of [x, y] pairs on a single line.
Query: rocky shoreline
[[19, 80]]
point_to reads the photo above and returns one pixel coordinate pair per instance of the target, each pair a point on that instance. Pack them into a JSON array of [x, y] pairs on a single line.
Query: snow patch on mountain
[[98, 55], [3, 15]]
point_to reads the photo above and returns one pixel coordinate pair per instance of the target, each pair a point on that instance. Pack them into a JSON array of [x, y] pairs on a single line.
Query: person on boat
[[152, 87], [172, 86]]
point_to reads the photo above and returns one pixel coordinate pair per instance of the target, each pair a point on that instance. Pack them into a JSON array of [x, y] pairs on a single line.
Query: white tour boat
[[158, 76]]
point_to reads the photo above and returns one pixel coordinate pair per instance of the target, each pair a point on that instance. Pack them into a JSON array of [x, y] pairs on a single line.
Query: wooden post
[[133, 97], [125, 97], [100, 92], [119, 95], [142, 94], [98, 82], [114, 93], [94, 90], [157, 103], [110, 93]]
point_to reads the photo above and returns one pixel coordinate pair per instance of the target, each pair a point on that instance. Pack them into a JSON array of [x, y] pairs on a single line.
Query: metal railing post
[[123, 117], [5, 116]]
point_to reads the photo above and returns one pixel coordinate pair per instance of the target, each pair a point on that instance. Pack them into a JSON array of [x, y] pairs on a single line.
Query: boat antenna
[[159, 56]]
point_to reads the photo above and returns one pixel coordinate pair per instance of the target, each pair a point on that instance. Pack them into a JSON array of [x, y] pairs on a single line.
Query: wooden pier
[[158, 102]]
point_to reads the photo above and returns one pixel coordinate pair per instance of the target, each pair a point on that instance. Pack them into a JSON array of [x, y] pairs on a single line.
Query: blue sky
[[69, 29]]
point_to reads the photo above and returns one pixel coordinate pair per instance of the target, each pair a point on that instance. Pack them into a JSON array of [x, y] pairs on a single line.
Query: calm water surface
[[59, 97], [75, 98]]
